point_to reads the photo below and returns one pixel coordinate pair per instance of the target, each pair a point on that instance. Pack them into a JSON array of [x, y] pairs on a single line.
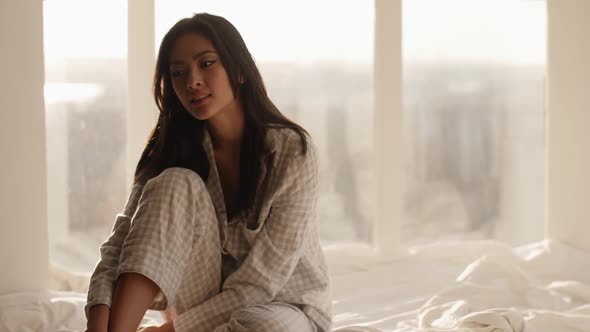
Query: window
[[474, 75], [85, 94]]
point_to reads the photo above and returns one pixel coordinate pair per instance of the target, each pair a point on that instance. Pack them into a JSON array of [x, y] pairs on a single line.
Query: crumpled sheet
[[49, 311], [542, 287], [502, 292]]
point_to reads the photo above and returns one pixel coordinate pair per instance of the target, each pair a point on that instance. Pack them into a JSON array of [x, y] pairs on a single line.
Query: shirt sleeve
[[275, 252], [102, 281]]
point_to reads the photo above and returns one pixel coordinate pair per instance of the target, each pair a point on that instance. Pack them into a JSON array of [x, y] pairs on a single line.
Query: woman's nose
[[194, 81]]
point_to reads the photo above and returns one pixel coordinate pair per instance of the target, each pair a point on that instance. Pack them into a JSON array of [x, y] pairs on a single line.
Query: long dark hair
[[176, 140]]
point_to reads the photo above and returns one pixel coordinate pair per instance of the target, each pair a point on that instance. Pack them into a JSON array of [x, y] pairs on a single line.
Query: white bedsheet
[[540, 287], [48, 311], [479, 286]]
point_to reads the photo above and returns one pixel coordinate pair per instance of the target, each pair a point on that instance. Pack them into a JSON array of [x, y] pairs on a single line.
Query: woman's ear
[[241, 79]]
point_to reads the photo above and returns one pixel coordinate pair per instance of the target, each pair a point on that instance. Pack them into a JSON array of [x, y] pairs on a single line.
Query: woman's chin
[[200, 114]]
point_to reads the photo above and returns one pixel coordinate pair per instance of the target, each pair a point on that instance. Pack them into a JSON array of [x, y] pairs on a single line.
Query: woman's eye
[[208, 63], [175, 73]]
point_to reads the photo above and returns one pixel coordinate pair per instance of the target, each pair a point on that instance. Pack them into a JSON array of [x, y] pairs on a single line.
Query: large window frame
[[568, 160], [388, 109]]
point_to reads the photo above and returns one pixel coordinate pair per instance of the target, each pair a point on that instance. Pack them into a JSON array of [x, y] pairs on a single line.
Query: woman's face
[[199, 78]]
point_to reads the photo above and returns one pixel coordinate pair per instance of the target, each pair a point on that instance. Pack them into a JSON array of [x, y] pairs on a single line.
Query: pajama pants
[[174, 241]]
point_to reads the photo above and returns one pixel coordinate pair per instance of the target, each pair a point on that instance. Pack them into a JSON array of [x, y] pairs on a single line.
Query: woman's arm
[[98, 318], [133, 295], [133, 292], [100, 290]]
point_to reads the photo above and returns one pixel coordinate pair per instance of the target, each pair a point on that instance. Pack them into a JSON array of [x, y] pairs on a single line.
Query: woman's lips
[[198, 101]]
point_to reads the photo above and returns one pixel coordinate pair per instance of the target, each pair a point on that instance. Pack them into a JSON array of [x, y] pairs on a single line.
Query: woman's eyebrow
[[195, 57]]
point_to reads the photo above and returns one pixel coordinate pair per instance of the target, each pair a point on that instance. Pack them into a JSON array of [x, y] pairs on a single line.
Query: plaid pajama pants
[[174, 239]]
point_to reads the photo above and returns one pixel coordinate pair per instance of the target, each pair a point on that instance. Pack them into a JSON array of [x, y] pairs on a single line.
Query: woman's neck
[[227, 129]]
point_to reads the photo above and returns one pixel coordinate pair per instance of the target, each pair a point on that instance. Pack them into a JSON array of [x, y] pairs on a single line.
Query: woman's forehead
[[190, 46]]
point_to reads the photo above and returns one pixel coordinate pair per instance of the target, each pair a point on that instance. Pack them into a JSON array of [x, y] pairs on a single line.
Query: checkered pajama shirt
[[174, 230]]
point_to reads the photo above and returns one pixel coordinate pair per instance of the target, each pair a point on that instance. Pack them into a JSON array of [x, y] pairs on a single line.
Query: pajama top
[[270, 253]]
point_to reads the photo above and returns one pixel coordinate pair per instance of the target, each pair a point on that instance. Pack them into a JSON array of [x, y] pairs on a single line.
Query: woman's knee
[[180, 176], [179, 189], [175, 182]]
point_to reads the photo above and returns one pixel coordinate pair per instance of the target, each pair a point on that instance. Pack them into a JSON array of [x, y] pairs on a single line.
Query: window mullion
[[388, 124]]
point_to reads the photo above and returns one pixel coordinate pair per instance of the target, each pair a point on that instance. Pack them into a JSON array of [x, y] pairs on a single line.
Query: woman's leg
[[172, 254], [272, 317]]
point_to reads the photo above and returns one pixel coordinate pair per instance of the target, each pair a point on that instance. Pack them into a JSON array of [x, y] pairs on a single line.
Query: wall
[[23, 224]]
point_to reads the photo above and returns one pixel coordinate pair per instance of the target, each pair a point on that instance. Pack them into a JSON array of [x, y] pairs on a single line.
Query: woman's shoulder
[[288, 141], [292, 152]]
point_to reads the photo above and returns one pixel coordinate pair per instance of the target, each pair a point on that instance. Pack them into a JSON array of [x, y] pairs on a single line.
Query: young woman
[[220, 228]]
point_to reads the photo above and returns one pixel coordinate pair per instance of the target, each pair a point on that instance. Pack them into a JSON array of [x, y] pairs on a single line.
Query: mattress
[[479, 286]]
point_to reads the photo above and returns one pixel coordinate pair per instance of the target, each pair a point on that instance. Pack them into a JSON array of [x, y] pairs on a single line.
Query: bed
[[479, 286]]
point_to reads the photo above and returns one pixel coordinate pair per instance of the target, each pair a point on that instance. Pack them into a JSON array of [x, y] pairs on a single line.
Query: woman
[[220, 227]]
